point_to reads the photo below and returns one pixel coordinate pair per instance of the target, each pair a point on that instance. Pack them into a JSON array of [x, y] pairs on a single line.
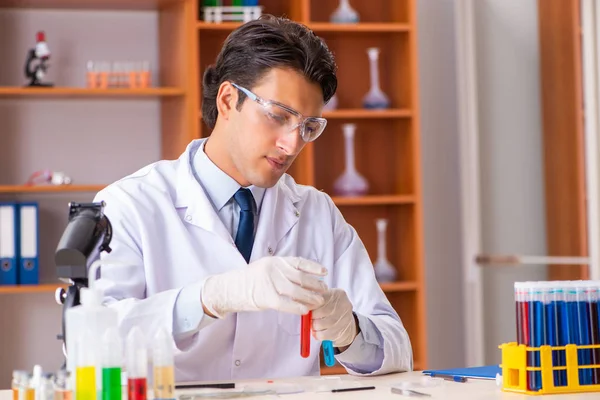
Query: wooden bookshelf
[[387, 141]]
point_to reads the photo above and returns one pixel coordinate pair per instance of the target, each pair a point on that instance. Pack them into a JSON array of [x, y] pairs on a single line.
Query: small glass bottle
[[26, 391], [164, 366], [62, 385], [45, 390], [344, 14], [137, 365], [19, 377]]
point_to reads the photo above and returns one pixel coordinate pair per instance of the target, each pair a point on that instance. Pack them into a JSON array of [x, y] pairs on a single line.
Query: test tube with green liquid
[[111, 365]]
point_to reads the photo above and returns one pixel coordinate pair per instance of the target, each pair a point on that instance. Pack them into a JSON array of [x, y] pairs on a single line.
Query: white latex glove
[[287, 284], [334, 320]]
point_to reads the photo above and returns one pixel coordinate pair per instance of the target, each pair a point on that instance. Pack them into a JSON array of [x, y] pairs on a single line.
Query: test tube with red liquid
[[137, 365], [305, 326]]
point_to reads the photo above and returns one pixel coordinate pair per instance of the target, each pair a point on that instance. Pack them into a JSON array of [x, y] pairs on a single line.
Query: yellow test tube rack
[[515, 369]]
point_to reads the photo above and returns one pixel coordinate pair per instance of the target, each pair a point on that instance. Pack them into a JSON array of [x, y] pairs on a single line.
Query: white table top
[[439, 389]]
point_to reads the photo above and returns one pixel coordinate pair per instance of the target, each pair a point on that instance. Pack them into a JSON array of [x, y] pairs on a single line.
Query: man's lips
[[277, 163]]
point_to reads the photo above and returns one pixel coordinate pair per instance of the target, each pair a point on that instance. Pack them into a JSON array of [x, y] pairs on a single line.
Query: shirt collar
[[219, 186]]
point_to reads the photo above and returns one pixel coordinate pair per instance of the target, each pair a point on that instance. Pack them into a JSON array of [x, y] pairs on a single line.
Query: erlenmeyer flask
[[375, 98], [344, 14], [384, 270], [350, 183]]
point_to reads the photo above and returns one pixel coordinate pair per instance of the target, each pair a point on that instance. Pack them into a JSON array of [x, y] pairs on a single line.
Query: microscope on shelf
[[88, 233], [36, 63]]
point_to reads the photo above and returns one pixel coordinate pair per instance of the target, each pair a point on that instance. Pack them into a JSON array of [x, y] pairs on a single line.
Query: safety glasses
[[287, 119]]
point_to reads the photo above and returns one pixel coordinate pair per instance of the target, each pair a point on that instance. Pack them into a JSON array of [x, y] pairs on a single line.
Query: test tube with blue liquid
[[583, 334], [552, 328], [536, 331]]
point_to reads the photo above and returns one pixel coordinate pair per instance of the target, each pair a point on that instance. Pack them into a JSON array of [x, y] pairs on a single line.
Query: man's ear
[[227, 98]]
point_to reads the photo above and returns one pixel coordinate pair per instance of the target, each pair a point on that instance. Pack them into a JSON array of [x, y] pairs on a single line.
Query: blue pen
[[328, 353]]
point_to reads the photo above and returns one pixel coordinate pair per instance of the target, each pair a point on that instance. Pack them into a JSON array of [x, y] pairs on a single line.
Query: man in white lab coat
[[226, 251]]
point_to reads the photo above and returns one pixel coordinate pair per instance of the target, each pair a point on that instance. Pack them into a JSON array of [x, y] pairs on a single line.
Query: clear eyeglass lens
[[286, 121]]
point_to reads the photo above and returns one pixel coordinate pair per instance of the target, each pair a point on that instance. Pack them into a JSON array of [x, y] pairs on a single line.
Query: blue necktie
[[244, 239]]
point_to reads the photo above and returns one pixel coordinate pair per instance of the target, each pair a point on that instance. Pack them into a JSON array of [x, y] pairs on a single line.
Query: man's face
[[261, 145]]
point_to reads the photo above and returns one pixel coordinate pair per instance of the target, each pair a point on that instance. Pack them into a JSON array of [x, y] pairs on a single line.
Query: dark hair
[[254, 48]]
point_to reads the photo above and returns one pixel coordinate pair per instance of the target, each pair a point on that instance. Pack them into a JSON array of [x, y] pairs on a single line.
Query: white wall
[[512, 180], [441, 190]]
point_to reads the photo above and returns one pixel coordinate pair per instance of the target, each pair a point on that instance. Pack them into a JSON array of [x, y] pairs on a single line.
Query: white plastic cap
[[36, 378], [162, 349], [91, 297]]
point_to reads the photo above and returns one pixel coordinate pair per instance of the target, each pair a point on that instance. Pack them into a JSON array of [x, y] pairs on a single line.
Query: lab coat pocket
[[289, 323]]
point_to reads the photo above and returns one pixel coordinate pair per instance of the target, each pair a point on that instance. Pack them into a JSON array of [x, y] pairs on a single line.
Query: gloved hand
[[334, 320], [287, 284]]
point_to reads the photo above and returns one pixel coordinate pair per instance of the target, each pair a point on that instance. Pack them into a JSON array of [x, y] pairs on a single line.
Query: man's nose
[[290, 142]]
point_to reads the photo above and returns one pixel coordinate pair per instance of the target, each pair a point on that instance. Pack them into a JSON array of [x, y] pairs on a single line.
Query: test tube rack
[[517, 375]]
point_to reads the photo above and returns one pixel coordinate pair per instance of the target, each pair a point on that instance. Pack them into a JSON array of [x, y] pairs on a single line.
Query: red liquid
[[525, 322], [519, 323], [527, 342], [137, 388], [305, 334]]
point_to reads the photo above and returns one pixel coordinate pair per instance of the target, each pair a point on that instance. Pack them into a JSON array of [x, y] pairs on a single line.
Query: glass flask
[[350, 183], [344, 14], [384, 270], [375, 98]]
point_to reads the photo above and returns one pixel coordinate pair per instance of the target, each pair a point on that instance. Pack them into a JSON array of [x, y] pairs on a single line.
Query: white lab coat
[[167, 235]]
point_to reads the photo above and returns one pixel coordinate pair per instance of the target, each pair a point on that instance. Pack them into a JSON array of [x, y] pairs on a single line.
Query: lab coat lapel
[[200, 211], [278, 215]]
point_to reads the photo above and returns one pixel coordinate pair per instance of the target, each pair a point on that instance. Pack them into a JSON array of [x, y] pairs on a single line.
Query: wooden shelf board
[[373, 200], [41, 288], [399, 286], [319, 27], [85, 92], [88, 4], [366, 27], [360, 113], [212, 26], [50, 188]]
